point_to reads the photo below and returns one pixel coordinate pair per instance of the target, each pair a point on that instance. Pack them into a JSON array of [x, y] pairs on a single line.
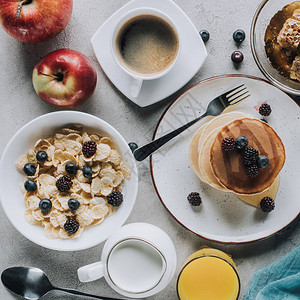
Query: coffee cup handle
[[91, 272], [135, 87]]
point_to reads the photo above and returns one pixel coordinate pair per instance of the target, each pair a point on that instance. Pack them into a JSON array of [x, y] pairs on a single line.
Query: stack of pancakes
[[225, 170]]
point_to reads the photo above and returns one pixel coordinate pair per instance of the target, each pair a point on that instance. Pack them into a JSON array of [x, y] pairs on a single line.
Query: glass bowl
[[264, 13]]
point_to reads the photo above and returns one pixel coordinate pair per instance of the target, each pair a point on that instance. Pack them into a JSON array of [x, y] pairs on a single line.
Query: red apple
[[64, 78], [35, 21]]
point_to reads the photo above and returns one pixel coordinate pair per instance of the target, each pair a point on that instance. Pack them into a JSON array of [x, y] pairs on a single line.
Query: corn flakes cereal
[[103, 151], [84, 203], [29, 218], [99, 211]]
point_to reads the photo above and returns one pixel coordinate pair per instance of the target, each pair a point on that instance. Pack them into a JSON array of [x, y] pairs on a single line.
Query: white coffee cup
[[138, 76], [137, 261]]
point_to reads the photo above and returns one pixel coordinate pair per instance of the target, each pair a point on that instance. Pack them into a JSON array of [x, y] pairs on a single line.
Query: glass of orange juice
[[208, 274]]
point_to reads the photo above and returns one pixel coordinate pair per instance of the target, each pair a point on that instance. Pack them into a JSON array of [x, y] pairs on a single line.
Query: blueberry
[[205, 35], [41, 156], [71, 168], [73, 204], [262, 161], [241, 142], [239, 35], [29, 169], [87, 171], [237, 57], [45, 204], [30, 186], [133, 146]]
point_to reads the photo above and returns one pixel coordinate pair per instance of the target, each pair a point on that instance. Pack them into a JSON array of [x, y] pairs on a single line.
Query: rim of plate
[[151, 161]]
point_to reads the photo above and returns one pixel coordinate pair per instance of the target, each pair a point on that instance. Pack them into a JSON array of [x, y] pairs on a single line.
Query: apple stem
[[20, 6], [57, 77]]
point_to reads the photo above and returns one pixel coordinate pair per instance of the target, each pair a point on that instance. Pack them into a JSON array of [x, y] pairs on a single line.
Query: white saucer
[[193, 54], [222, 217]]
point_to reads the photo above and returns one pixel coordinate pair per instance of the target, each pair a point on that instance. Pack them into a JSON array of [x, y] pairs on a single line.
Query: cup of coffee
[[138, 261], [146, 45]]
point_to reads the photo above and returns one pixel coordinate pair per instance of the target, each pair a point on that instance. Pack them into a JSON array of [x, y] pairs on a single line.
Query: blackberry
[[64, 183], [204, 35], [262, 161], [41, 156], [71, 168], [252, 171], [194, 198], [73, 204], [115, 198], [71, 226], [237, 57], [228, 144], [267, 204], [29, 169], [45, 204], [265, 109], [30, 186], [239, 36], [241, 142], [89, 148], [87, 171], [250, 156]]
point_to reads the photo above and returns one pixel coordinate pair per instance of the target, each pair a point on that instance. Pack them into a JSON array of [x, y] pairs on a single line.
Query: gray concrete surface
[[19, 104]]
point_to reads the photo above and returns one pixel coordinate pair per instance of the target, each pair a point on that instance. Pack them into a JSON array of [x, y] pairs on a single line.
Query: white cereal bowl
[[10, 179]]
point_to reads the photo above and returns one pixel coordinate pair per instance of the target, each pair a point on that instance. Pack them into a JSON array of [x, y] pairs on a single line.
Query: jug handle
[[91, 272]]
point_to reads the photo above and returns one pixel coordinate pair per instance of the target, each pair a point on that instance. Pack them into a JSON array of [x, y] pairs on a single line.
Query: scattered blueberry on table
[[205, 35], [237, 56], [132, 146], [239, 36]]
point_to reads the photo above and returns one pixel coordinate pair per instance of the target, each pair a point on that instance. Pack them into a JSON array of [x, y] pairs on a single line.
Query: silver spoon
[[32, 283]]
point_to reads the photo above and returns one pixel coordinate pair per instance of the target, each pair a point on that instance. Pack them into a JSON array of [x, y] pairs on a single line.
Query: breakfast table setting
[[150, 149]]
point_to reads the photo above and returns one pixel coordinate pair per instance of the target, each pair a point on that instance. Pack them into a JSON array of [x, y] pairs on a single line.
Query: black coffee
[[147, 44]]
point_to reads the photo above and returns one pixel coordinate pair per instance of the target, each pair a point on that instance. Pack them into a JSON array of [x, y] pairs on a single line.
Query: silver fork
[[214, 108]]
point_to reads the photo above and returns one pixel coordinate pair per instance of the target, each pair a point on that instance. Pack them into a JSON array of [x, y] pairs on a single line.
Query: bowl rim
[[129, 157], [255, 56]]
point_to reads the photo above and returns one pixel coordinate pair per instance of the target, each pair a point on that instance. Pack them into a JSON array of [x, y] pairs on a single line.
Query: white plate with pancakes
[[222, 216]]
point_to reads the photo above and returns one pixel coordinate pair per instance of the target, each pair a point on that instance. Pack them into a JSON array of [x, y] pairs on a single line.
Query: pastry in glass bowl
[[282, 39]]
